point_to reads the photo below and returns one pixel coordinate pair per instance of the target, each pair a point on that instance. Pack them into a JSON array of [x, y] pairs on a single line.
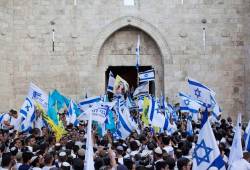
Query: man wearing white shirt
[[6, 122], [38, 123], [243, 163]]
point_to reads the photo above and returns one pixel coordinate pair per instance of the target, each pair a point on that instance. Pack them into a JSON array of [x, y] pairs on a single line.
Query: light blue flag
[[111, 82], [189, 126], [247, 137], [206, 153], [236, 152], [56, 102], [200, 92], [27, 113], [110, 122], [148, 75]]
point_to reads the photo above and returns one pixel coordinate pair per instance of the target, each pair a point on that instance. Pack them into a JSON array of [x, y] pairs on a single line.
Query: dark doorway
[[129, 73]]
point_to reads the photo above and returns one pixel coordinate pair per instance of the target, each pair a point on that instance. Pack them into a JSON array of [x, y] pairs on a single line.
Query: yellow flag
[[145, 111], [121, 86]]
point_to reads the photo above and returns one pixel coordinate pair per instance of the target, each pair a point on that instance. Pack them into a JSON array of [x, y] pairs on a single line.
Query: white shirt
[[15, 122], [38, 123], [47, 167], [241, 164], [7, 118], [169, 149]]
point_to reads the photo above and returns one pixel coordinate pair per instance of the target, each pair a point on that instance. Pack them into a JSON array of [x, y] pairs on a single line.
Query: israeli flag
[[236, 152], [38, 95], [148, 75], [200, 92], [206, 153], [89, 160], [216, 110], [99, 113], [141, 90], [138, 53], [189, 129], [86, 103], [124, 127], [187, 104], [27, 112], [247, 137], [71, 114], [111, 82]]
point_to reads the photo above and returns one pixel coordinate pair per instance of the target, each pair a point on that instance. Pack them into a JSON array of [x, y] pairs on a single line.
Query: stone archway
[[156, 55]]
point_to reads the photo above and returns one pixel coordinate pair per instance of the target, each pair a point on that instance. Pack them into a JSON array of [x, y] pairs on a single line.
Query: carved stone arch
[[139, 23]]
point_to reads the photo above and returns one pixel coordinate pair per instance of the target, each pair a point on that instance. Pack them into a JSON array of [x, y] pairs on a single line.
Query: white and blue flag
[[200, 92], [148, 75], [247, 137], [206, 153], [236, 152], [27, 112], [86, 103], [38, 95], [71, 114], [137, 51], [125, 123], [192, 106], [141, 90], [111, 82]]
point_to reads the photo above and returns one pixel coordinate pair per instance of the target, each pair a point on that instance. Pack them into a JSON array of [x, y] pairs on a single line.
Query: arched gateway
[[114, 49]]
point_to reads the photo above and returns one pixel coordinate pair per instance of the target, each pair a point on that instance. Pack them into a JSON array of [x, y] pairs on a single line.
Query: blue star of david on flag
[[202, 158], [197, 93], [36, 94], [187, 101]]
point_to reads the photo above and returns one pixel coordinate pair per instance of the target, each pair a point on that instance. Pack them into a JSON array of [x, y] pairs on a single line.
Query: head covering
[[62, 153], [158, 150], [81, 152]]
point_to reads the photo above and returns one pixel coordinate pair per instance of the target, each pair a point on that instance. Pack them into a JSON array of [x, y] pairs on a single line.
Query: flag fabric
[[71, 114], [38, 95], [247, 137], [200, 92], [123, 126], [155, 116], [111, 82], [189, 129], [137, 51], [140, 103], [206, 153], [148, 75], [27, 112], [110, 122], [98, 111], [236, 152], [145, 111], [192, 106], [121, 86], [141, 90], [55, 103], [89, 160], [216, 110], [187, 104], [86, 103]]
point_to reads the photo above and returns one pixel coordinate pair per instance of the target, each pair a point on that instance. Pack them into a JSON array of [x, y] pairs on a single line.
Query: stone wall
[[80, 31]]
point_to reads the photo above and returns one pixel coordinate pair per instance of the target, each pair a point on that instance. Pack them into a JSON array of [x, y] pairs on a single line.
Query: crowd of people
[[144, 149]]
